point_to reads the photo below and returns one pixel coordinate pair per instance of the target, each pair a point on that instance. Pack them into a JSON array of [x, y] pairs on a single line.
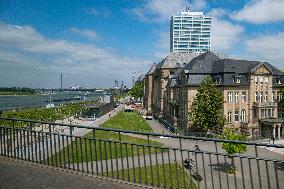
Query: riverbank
[[18, 94], [12, 102], [49, 114]]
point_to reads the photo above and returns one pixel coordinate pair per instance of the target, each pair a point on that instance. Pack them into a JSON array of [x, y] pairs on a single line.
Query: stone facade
[[251, 90], [148, 89], [163, 71]]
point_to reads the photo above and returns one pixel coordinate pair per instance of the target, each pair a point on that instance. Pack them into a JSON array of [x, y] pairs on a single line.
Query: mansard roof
[[241, 66], [202, 63], [175, 60], [226, 69]]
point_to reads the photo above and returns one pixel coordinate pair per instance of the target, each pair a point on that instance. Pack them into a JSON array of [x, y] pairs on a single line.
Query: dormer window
[[237, 79], [218, 80], [278, 81]]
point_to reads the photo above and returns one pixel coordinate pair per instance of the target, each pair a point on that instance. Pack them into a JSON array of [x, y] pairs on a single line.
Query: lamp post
[[133, 80]]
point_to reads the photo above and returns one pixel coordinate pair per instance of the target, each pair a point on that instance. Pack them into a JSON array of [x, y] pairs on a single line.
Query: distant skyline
[[96, 42]]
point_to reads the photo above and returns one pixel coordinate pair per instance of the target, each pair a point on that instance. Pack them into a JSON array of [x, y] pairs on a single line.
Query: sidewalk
[[276, 150], [15, 175]]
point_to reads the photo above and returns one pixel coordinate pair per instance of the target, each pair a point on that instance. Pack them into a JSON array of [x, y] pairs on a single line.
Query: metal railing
[[172, 161]]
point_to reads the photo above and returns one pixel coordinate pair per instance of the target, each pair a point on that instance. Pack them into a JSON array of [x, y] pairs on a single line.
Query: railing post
[[94, 133], [30, 126], [119, 135], [71, 130]]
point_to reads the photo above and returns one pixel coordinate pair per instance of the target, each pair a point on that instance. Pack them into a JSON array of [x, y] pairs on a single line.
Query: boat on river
[[66, 99]]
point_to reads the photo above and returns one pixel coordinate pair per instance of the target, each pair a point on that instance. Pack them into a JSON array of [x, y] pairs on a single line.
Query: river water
[[14, 102]]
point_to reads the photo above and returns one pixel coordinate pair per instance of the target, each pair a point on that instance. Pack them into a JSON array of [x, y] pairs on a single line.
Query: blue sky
[[96, 42]]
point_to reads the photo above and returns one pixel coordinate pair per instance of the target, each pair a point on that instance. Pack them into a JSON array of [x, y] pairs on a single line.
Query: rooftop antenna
[[188, 9]]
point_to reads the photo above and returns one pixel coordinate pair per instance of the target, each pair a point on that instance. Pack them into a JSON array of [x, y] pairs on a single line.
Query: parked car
[[128, 108], [149, 116]]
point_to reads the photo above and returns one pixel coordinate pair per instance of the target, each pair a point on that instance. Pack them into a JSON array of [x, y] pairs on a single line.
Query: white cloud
[[90, 34], [198, 5], [261, 11], [163, 39], [105, 12], [24, 51], [268, 48], [224, 34], [92, 11], [162, 10]]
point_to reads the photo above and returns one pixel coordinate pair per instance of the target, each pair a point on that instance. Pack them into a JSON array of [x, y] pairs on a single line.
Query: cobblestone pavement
[[18, 175]]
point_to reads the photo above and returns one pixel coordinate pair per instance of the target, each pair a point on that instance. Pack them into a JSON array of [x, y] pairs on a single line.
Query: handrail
[[148, 133], [154, 146]]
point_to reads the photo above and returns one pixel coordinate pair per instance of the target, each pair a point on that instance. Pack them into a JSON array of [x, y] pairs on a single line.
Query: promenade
[[251, 172], [21, 175]]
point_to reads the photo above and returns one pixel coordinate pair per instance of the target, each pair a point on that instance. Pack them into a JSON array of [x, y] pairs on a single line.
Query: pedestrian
[[197, 147], [273, 139]]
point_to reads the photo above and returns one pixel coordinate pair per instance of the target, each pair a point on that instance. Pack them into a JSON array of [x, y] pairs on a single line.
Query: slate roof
[[174, 60], [152, 69], [241, 66], [202, 63], [226, 69], [140, 78], [174, 77]]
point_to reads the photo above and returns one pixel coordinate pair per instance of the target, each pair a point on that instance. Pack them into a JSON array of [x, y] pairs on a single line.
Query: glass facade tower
[[190, 32]]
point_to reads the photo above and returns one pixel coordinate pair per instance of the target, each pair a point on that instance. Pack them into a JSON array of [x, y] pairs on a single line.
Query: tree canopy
[[137, 90], [232, 148], [206, 111]]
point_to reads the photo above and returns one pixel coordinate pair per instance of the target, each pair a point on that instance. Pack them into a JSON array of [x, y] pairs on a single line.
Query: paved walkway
[[209, 167], [276, 150], [18, 175], [157, 127]]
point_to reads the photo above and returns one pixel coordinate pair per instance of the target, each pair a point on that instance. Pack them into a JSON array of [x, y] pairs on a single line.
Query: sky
[[93, 43]]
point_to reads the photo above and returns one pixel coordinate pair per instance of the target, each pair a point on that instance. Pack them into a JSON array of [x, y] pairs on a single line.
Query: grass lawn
[[106, 150], [170, 176], [100, 148], [128, 121]]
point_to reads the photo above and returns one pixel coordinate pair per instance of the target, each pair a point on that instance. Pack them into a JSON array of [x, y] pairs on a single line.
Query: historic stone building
[[163, 71], [148, 86], [251, 91]]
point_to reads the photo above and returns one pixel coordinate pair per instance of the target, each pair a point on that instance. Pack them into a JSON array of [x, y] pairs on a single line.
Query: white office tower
[[190, 32]]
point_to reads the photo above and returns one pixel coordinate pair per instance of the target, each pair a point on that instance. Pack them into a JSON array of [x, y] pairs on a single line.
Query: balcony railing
[[265, 104], [175, 162]]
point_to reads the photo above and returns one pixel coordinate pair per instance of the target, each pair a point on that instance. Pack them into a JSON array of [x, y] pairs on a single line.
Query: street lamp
[[133, 81]]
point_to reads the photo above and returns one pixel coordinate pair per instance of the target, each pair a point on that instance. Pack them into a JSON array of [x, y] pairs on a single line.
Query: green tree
[[137, 90], [206, 111], [233, 148]]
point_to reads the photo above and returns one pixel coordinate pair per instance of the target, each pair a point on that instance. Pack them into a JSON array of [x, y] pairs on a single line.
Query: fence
[[171, 161]]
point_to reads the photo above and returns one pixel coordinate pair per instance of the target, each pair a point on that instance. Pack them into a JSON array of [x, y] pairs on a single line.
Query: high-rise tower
[[190, 32]]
